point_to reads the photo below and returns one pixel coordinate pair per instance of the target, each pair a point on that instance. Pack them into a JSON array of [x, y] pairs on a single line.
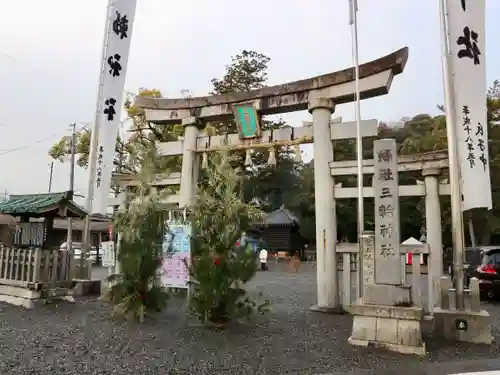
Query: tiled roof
[[37, 204], [280, 217]]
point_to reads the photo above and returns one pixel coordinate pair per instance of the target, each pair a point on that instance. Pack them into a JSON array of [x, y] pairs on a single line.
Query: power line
[[10, 57], [8, 151], [48, 138], [14, 59]]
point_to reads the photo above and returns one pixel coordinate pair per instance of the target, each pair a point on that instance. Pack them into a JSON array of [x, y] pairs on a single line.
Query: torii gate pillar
[[434, 232], [326, 226]]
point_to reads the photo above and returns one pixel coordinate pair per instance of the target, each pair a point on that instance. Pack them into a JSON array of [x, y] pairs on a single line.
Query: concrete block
[[394, 328], [477, 330], [402, 349], [16, 291], [364, 328], [409, 333], [387, 330], [30, 298], [406, 313], [18, 301], [389, 295]]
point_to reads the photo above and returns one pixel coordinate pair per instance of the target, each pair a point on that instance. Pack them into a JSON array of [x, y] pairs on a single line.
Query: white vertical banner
[[110, 104], [466, 30], [353, 7]]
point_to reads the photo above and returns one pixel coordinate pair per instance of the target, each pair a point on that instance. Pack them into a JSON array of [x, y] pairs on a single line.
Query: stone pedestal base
[[19, 296], [31, 298], [327, 310], [391, 327], [387, 295], [466, 326]]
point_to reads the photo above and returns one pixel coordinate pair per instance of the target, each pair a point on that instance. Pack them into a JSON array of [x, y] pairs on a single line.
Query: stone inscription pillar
[[434, 233], [368, 246], [188, 183], [386, 189], [326, 225]]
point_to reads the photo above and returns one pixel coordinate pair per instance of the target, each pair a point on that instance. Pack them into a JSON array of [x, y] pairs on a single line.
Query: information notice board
[[108, 254], [177, 253]]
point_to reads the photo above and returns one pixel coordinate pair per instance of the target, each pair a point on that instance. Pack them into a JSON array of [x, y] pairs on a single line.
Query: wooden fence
[[34, 268]]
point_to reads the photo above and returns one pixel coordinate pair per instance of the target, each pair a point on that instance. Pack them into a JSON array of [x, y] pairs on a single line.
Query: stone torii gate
[[319, 95]]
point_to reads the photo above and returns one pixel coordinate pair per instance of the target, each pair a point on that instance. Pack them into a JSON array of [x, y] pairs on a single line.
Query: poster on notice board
[[177, 252]]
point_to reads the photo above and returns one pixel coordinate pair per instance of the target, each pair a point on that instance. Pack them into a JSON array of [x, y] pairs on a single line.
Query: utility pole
[[51, 172], [69, 240]]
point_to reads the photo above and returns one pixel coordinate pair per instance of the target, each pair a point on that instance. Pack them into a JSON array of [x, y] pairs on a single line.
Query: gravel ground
[[81, 339]]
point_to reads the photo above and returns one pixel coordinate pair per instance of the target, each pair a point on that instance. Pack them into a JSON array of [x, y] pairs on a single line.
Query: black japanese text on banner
[[116, 55], [466, 28]]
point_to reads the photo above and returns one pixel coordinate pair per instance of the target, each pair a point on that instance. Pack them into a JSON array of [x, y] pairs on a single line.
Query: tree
[[299, 198], [145, 133], [142, 133], [419, 134], [247, 71], [424, 133], [136, 290], [487, 222], [219, 269], [62, 148], [270, 184], [264, 182]]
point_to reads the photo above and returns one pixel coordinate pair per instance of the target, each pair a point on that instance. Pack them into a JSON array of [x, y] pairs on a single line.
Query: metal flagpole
[[456, 201], [93, 149], [353, 21], [69, 240]]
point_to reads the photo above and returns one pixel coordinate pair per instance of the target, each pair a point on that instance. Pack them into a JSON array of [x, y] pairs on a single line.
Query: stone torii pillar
[[188, 172], [326, 226], [434, 233]]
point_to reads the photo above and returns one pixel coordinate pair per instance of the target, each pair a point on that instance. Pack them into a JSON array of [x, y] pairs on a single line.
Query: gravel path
[[81, 339]]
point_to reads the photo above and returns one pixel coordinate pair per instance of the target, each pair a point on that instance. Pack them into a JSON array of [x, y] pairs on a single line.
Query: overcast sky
[[50, 51]]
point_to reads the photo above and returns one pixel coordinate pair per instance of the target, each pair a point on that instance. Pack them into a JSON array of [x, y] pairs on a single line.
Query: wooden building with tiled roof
[[41, 218], [279, 231]]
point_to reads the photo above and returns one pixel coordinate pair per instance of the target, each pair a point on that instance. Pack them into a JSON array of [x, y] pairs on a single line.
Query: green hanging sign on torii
[[247, 120]]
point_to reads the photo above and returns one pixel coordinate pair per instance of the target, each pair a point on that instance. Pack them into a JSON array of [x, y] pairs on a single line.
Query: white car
[[77, 251]]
